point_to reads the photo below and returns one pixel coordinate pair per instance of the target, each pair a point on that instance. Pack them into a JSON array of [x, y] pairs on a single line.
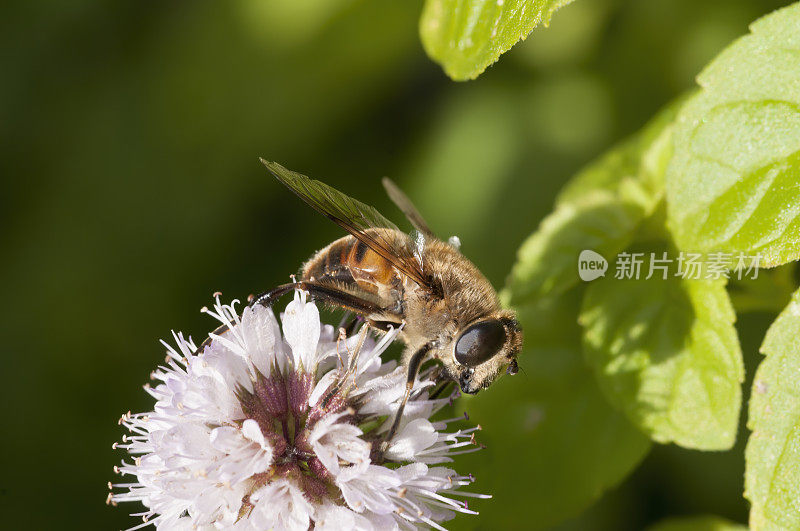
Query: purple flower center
[[279, 404]]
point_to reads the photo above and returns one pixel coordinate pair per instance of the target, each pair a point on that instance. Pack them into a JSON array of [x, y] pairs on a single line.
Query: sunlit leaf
[[466, 36], [734, 181], [772, 474], [666, 353]]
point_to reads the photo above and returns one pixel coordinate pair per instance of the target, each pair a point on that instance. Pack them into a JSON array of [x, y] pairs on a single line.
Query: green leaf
[[599, 210], [550, 424], [466, 36], [547, 262], [666, 353], [772, 471], [734, 181], [697, 523]]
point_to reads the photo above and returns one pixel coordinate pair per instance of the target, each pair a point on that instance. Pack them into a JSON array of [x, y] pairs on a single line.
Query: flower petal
[[330, 517], [280, 505], [372, 490], [262, 336], [339, 447], [301, 327], [415, 436]]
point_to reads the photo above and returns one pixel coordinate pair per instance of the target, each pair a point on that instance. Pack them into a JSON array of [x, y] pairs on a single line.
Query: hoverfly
[[448, 310]]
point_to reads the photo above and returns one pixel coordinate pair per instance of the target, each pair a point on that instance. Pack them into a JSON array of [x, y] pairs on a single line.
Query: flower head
[[263, 430]]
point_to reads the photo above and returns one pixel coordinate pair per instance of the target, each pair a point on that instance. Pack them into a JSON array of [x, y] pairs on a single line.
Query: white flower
[[262, 431]]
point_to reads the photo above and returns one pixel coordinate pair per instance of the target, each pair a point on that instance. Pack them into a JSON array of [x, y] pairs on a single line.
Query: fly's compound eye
[[480, 342]]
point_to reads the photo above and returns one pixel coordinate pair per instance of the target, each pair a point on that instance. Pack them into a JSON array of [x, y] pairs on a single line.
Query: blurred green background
[[130, 133]]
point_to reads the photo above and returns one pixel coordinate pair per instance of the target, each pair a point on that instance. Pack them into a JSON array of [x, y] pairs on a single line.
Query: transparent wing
[[355, 217], [407, 207]]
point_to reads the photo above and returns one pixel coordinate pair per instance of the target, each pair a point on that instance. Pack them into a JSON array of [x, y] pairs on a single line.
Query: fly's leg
[[414, 364], [324, 292], [352, 356]]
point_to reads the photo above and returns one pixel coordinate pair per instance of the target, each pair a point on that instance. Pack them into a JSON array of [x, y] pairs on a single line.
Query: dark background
[[130, 133]]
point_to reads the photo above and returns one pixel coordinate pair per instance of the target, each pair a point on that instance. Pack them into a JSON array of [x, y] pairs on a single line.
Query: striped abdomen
[[352, 265]]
